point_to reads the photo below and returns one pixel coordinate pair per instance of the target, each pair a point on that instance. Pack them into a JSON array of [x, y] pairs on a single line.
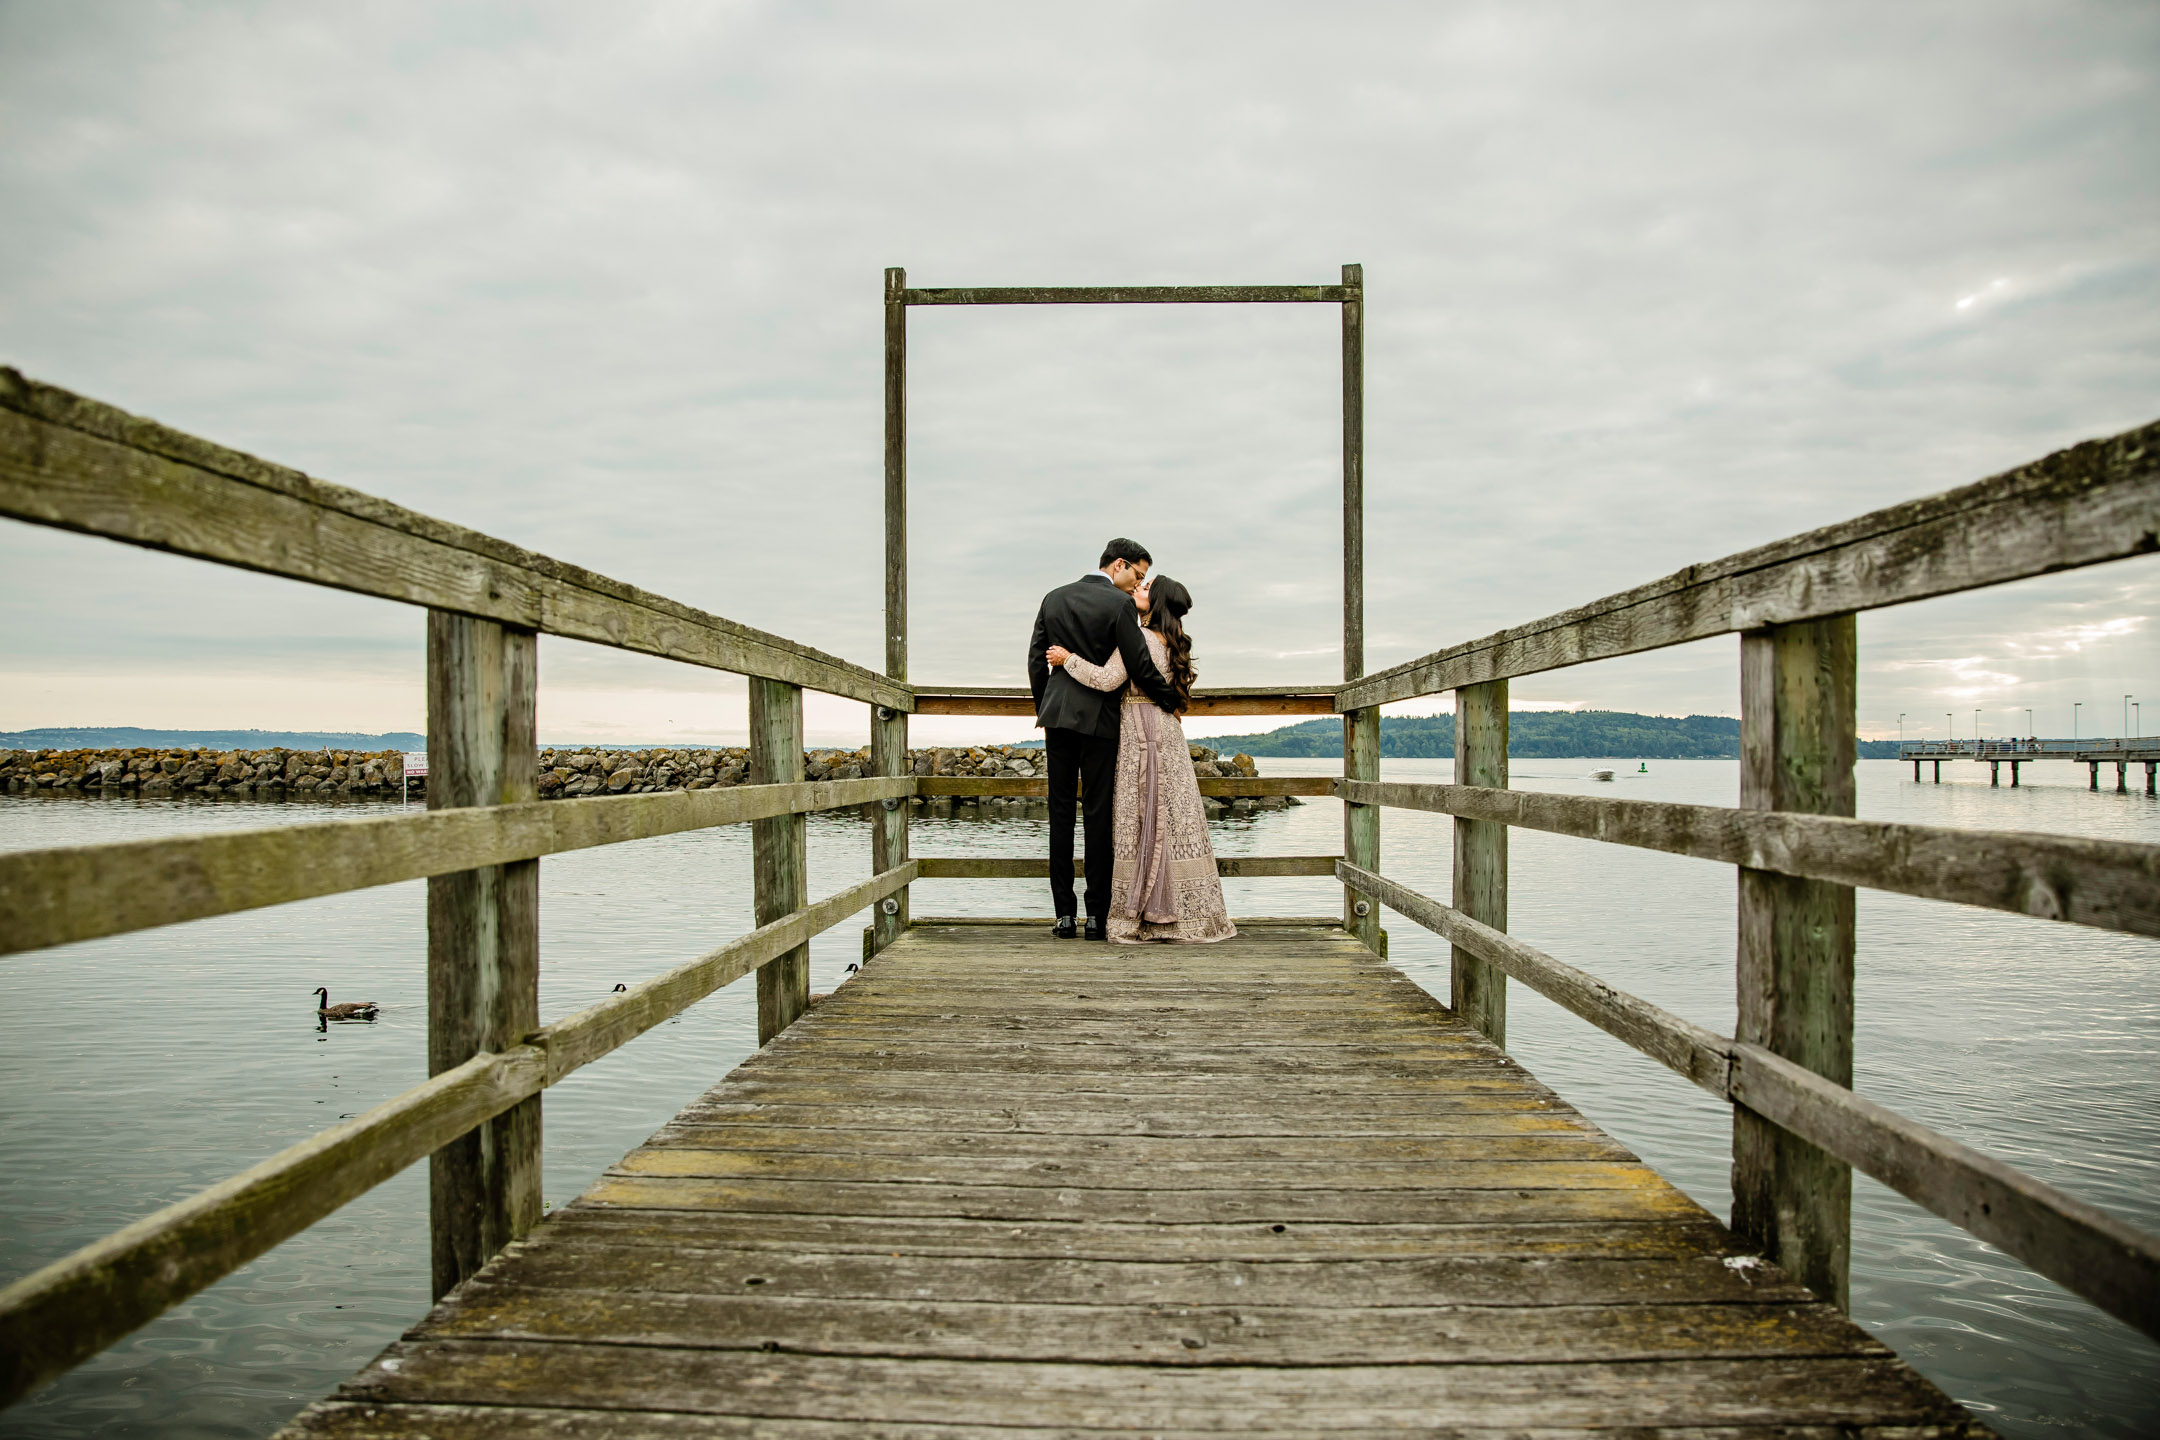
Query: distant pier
[[2092, 754]]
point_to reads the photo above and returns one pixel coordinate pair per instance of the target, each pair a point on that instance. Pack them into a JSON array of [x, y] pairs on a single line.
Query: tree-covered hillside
[[1610, 734]]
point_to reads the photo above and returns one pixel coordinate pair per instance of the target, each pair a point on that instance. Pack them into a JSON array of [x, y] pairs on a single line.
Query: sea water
[[139, 1069]]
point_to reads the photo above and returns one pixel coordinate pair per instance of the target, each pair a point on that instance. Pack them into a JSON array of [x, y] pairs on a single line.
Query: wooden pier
[[999, 1182], [2122, 753], [1002, 1182]]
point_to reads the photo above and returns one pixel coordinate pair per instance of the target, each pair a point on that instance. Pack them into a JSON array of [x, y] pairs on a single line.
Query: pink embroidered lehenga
[[1163, 884]]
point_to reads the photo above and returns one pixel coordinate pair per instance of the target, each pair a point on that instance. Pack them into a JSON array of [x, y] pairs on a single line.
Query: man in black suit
[[1093, 617]]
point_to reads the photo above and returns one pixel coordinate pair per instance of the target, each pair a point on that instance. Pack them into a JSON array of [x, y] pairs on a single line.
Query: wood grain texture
[[1127, 295], [77, 464], [2079, 1246], [1793, 965], [1361, 823], [56, 1317], [378, 1421], [990, 867], [1688, 1049], [1221, 787], [1305, 700], [1477, 988], [1353, 484], [905, 1212], [2112, 884], [483, 929], [779, 862], [2084, 1249], [888, 822], [80, 892], [64, 1313], [896, 546], [2094, 502]]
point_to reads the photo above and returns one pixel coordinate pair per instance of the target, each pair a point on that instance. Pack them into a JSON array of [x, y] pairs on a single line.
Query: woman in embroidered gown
[[1163, 885]]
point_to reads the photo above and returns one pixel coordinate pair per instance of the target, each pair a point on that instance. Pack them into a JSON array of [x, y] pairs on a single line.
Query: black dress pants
[[1092, 761]]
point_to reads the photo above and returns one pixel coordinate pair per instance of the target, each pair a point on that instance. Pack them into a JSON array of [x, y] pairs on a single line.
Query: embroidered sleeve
[[1097, 677]]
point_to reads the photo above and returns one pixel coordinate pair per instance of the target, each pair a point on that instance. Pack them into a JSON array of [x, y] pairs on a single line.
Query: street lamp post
[[2074, 720], [2126, 715], [1901, 729]]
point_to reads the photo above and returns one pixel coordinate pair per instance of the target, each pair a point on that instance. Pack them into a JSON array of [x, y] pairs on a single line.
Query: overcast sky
[[1646, 285]]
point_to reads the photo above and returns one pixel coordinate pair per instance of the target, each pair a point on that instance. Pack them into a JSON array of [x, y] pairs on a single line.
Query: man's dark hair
[[1132, 552]]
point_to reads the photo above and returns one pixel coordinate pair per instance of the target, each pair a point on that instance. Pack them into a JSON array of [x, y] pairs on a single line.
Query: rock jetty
[[564, 773]]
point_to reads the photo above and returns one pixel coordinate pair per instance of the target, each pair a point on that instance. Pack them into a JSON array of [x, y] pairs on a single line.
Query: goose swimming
[[350, 1010]]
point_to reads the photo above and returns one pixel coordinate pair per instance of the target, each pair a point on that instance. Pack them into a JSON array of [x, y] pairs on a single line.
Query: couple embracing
[[1112, 670]]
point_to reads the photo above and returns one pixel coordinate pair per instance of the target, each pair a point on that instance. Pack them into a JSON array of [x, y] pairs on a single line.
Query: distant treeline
[[1551, 734], [128, 737]]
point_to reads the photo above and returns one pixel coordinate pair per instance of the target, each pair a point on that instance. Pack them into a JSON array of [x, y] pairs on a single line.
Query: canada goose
[[350, 1010]]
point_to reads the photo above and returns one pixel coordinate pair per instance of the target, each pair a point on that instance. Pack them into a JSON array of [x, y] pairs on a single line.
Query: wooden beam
[[1128, 295], [1231, 867], [81, 892], [1683, 1047], [1280, 922], [2079, 1246], [61, 1315], [76, 464], [1353, 477], [578, 1040], [2112, 884], [889, 822], [1250, 786], [483, 925], [1361, 823], [779, 864], [66, 1312], [1478, 991], [896, 598], [1204, 702], [1792, 1199], [2095, 502]]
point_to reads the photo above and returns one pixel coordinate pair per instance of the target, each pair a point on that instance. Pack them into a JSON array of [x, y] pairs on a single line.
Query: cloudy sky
[[1647, 285]]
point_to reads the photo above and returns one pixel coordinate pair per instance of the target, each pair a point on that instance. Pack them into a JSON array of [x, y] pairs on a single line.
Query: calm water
[[136, 1070]]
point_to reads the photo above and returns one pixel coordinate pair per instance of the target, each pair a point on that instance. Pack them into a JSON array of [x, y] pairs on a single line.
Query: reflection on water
[[136, 1070]]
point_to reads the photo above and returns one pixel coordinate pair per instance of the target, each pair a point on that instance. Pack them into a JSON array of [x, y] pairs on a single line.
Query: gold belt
[[1138, 700]]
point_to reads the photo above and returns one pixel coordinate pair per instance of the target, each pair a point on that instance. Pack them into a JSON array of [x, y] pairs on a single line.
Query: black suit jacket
[[1094, 619]]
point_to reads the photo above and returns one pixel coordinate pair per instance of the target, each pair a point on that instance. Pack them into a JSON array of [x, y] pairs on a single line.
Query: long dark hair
[[1167, 603]]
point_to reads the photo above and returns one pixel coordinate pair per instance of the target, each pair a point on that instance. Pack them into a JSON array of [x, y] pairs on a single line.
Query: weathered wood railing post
[[483, 935], [1361, 728], [1478, 990], [889, 829], [1361, 823], [889, 728], [780, 879], [1798, 743], [896, 473]]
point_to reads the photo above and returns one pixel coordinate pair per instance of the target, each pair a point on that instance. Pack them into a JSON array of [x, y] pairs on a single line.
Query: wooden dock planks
[[1004, 1183]]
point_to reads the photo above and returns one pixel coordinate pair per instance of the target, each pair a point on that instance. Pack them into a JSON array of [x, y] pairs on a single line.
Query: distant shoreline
[[1532, 735]]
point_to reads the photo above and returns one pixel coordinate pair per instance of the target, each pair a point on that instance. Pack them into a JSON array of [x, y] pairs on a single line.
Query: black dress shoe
[[1095, 930], [1065, 929]]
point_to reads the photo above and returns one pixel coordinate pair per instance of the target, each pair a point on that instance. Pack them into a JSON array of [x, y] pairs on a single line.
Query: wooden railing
[[78, 465], [1798, 1128]]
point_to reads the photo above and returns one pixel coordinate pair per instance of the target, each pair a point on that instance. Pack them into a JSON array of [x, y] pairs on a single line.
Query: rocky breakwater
[[149, 772], [564, 774]]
